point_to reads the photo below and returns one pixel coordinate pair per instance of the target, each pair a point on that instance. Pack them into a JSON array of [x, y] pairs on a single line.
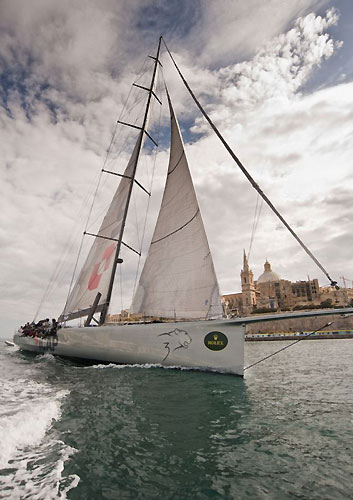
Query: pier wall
[[301, 324]]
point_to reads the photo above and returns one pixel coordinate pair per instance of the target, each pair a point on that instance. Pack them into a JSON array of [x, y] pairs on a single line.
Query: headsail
[[96, 272], [178, 279]]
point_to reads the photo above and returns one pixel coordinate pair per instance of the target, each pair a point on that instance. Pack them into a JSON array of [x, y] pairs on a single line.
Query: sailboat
[[177, 290]]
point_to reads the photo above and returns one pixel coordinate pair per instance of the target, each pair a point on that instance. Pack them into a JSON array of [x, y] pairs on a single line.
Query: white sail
[[96, 272], [178, 279]]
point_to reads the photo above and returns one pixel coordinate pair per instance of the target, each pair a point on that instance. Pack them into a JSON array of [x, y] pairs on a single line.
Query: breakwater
[[327, 334], [304, 324]]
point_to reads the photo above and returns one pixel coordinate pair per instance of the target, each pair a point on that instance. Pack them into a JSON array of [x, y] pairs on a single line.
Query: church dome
[[268, 274]]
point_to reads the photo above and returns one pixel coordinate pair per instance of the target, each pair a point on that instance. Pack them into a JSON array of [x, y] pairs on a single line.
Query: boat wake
[[121, 367], [32, 456], [30, 475], [145, 366]]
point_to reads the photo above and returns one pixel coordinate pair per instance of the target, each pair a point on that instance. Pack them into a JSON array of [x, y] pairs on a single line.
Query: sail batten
[[177, 163], [176, 230], [178, 279]]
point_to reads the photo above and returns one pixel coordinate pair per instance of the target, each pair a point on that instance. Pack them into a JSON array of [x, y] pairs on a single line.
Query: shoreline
[[331, 334]]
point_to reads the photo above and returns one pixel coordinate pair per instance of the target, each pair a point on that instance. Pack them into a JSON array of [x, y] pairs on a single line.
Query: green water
[[282, 432]]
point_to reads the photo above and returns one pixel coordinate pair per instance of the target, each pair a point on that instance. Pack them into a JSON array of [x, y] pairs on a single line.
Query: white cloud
[[66, 78], [279, 69], [233, 29], [289, 142]]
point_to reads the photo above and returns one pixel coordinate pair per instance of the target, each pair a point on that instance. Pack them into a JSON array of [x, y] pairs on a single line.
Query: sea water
[[285, 431]]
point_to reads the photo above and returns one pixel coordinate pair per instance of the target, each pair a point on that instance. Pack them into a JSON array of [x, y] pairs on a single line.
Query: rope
[[73, 274], [295, 342], [124, 109], [255, 222], [63, 258], [88, 218]]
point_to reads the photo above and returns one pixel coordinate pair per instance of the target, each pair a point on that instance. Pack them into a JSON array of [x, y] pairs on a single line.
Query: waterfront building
[[248, 295], [271, 293]]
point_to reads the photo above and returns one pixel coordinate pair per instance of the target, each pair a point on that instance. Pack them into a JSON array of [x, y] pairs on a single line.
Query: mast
[[139, 148]]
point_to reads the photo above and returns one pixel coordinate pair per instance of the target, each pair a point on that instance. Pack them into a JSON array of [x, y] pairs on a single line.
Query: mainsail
[[178, 279], [92, 291], [96, 272]]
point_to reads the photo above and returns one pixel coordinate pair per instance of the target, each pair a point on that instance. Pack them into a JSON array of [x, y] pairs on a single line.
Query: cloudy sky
[[276, 78]]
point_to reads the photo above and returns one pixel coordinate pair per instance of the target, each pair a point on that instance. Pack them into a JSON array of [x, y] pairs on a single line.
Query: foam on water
[[32, 456], [121, 367], [27, 413], [145, 366], [283, 432], [36, 473]]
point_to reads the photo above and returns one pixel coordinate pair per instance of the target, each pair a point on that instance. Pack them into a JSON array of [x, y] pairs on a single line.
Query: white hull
[[166, 344]]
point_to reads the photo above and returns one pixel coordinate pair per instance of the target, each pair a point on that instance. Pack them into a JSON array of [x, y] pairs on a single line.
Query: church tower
[[247, 287]]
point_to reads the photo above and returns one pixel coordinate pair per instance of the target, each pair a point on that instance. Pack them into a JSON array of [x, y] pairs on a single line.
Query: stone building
[[272, 293], [248, 295]]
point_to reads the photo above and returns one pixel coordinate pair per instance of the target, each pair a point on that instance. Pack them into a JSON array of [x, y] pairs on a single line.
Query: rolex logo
[[215, 341]]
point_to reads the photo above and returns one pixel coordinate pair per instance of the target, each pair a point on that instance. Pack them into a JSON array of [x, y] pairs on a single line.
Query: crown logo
[[215, 337]]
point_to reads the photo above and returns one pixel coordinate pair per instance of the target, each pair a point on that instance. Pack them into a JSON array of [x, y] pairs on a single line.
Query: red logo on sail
[[100, 267]]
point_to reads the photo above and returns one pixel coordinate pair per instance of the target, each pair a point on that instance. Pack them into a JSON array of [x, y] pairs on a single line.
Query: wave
[[27, 424], [32, 457], [37, 474]]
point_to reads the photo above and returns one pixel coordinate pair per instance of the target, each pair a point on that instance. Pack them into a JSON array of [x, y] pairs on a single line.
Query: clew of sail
[[96, 272], [178, 279]]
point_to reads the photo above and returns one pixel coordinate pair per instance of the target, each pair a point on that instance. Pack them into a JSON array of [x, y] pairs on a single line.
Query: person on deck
[[54, 327]]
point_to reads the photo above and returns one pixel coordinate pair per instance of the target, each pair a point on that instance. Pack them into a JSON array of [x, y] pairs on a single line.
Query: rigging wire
[[113, 137], [296, 342], [70, 242], [138, 148], [140, 239], [66, 251], [89, 215], [247, 174], [255, 221], [124, 134]]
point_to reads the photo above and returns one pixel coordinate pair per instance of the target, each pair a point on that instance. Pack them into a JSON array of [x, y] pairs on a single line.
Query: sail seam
[[179, 228], [177, 163]]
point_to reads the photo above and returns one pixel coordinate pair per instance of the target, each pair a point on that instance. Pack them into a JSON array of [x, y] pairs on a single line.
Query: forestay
[[97, 270], [178, 279]]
